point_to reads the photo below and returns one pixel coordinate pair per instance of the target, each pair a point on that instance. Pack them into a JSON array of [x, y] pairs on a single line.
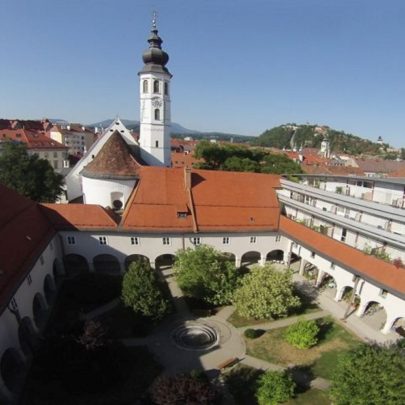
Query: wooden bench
[[227, 363]]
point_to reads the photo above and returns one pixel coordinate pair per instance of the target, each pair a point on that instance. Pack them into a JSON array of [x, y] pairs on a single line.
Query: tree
[[183, 389], [274, 387], [29, 175], [265, 293], [206, 274], [302, 334], [140, 291], [370, 374]]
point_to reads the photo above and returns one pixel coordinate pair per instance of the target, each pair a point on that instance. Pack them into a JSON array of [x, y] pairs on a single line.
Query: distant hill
[[178, 131], [133, 124], [292, 135]]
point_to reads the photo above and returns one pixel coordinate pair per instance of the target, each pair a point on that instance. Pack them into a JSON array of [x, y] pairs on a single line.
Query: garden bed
[[333, 340], [241, 382]]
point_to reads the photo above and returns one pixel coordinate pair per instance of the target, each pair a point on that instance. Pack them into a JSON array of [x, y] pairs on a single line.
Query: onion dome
[[155, 58]]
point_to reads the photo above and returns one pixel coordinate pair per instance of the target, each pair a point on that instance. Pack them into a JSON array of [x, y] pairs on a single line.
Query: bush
[[274, 387], [370, 374], [265, 293], [140, 291], [183, 389], [206, 274], [302, 334], [253, 333]]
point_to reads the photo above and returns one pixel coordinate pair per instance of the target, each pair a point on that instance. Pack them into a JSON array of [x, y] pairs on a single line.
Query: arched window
[[156, 86], [145, 86], [166, 88], [157, 114]]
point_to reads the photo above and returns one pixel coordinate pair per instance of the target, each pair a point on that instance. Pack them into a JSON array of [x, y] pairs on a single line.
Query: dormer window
[[156, 86]]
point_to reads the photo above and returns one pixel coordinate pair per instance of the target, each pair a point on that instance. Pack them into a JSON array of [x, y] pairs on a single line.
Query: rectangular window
[[332, 265], [225, 240], [278, 238], [383, 293], [102, 240], [134, 240], [156, 144], [196, 240], [344, 233], [253, 239], [29, 279], [313, 255], [41, 259], [166, 241], [71, 240]]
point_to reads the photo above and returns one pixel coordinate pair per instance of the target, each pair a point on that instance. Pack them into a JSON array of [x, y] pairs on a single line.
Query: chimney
[[187, 177]]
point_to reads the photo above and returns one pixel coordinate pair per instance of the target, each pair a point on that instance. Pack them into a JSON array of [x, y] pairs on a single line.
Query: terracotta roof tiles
[[114, 161]]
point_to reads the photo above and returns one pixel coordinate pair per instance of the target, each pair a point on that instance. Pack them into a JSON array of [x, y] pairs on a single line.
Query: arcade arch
[[250, 258], [106, 264], [135, 258], [75, 264]]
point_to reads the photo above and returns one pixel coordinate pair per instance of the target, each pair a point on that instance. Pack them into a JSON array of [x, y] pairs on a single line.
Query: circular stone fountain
[[195, 336]]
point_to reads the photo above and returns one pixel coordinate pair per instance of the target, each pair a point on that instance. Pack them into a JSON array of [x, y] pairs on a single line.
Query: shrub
[[274, 387], [370, 374], [206, 274], [183, 389], [253, 333], [140, 291], [265, 293], [302, 334]]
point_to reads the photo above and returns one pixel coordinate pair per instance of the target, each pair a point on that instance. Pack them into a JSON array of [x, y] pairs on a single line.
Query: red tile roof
[[114, 161], [32, 139], [79, 216], [217, 201], [24, 234], [366, 266], [155, 201]]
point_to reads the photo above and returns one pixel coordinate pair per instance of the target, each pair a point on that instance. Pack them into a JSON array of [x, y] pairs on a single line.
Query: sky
[[239, 66]]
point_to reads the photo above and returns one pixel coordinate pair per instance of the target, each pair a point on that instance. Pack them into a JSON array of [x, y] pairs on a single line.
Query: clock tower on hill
[[155, 103]]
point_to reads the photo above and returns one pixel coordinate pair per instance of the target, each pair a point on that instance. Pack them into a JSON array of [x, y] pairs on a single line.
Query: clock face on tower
[[156, 102]]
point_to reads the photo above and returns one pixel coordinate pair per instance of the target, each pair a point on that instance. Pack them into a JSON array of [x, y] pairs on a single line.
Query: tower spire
[[154, 18]]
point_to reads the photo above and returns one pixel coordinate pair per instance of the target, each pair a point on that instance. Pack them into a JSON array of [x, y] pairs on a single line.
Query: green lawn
[[310, 397], [239, 321], [333, 340]]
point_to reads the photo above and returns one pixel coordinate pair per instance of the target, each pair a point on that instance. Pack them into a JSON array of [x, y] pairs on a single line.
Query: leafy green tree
[[274, 387], [237, 164], [280, 164], [140, 291], [29, 175], [265, 293], [206, 274], [370, 374], [302, 334]]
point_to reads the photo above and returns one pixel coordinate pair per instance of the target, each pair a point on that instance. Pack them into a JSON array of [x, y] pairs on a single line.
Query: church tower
[[154, 89]]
